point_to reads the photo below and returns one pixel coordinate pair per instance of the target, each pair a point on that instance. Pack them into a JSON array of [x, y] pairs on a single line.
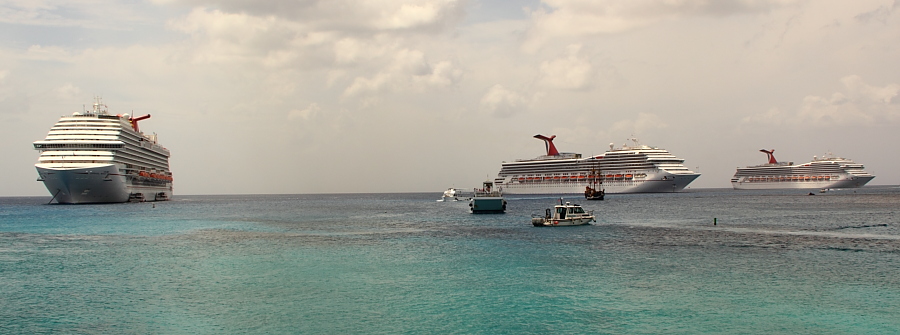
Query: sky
[[337, 96]]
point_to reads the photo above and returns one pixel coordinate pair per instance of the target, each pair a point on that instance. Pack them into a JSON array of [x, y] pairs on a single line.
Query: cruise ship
[[823, 172], [628, 169], [95, 157]]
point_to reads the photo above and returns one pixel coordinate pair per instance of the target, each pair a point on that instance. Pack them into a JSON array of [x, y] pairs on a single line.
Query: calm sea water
[[774, 262]]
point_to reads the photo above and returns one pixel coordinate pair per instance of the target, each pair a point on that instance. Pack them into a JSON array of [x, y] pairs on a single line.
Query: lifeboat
[[629, 176], [609, 176], [581, 176]]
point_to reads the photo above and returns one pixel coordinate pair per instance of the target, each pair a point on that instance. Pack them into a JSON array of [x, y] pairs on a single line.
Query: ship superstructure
[[632, 168], [824, 172], [95, 157]]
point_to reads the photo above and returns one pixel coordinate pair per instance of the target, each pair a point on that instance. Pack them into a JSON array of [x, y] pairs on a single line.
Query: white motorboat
[[567, 214]]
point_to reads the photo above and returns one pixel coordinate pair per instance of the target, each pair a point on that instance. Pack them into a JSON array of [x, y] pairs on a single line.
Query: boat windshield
[[561, 211]]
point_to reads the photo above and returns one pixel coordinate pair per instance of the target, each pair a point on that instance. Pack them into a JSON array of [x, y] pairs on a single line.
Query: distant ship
[[823, 172], [628, 169], [94, 157]]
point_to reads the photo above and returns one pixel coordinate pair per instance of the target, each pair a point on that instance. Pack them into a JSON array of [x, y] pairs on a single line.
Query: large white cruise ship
[[628, 169], [95, 157], [822, 172]]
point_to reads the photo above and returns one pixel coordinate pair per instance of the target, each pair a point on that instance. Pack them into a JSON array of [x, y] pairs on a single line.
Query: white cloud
[[94, 14], [859, 104], [68, 91], [350, 17], [571, 19], [502, 102], [310, 113], [408, 71], [572, 71], [644, 123], [48, 53]]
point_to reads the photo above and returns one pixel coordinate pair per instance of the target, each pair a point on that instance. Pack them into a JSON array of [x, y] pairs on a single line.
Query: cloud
[[310, 113], [71, 13], [859, 104], [408, 70], [502, 102], [48, 53], [572, 71], [643, 124], [221, 37], [350, 17], [362, 57], [572, 19], [68, 92], [880, 14]]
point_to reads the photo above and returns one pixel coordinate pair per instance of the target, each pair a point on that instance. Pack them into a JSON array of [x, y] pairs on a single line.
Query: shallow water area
[[701, 261]]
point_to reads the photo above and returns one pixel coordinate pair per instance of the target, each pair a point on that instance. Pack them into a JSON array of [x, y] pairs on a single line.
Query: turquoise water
[[775, 262]]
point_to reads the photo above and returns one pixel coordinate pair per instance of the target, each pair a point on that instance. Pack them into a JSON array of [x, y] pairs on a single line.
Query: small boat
[[450, 195], [567, 214], [593, 194], [487, 200], [595, 190]]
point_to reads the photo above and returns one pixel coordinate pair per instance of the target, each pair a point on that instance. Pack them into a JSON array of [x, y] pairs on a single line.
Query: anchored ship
[[627, 169], [95, 157], [823, 172]]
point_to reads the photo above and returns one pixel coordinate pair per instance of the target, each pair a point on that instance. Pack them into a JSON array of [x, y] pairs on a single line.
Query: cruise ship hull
[[100, 184], [661, 182], [846, 182]]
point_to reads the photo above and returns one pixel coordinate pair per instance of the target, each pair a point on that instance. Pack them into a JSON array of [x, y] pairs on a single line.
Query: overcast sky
[[337, 96]]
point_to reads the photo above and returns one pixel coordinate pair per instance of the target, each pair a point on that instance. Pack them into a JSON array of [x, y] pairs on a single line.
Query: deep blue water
[[775, 262]]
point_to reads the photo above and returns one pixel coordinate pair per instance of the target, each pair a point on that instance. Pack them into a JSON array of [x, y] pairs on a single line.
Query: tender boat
[[567, 214], [450, 195], [487, 200]]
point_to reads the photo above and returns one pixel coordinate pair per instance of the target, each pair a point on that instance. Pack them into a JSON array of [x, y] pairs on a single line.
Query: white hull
[[98, 184], [561, 223], [660, 182], [845, 182], [828, 171]]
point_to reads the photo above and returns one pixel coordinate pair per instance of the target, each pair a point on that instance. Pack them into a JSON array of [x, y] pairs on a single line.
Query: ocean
[[697, 262]]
